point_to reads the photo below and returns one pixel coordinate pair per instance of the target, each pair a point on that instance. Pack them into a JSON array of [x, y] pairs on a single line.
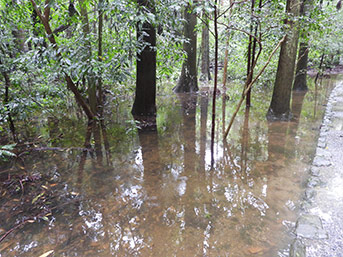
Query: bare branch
[[247, 87], [230, 7], [241, 30]]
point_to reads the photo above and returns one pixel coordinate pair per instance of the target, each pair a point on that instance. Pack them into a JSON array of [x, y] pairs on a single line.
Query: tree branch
[[70, 84], [247, 87]]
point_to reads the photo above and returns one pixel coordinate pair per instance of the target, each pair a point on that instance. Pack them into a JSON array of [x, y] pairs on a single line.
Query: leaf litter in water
[[47, 253]]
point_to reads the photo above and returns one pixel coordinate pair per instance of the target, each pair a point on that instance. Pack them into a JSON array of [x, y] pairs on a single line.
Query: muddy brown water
[[156, 194]]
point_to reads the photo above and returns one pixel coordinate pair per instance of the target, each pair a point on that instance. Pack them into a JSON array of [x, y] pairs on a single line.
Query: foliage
[[36, 68], [7, 151]]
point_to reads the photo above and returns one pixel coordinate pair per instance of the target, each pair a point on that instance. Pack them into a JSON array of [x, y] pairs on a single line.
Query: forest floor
[[338, 69], [319, 228]]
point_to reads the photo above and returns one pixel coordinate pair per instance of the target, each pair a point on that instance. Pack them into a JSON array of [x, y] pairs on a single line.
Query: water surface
[[154, 193]]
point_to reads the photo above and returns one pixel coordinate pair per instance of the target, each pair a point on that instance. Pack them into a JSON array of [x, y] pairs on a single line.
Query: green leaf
[[45, 218], [37, 197]]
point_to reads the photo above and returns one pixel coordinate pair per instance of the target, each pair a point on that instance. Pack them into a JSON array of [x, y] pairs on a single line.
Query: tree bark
[[216, 37], [145, 98], [280, 105], [6, 101], [188, 81], [205, 47], [300, 82]]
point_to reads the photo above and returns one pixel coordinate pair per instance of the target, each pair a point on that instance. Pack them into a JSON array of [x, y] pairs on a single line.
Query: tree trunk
[[145, 99], [91, 81], [227, 53], [216, 37], [188, 80], [280, 105], [300, 82], [6, 101], [205, 46], [252, 51], [203, 130], [100, 96]]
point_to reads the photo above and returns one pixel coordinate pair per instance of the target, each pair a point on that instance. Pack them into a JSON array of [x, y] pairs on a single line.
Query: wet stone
[[313, 182], [315, 171], [305, 206], [310, 227], [320, 161], [321, 144], [323, 133], [323, 153], [310, 194], [322, 139], [324, 129], [298, 249]]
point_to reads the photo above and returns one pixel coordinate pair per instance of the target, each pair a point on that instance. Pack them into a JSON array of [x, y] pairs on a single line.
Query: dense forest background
[[59, 54], [113, 115]]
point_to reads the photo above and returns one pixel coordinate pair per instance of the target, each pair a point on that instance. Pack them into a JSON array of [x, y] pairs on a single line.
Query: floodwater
[[155, 193]]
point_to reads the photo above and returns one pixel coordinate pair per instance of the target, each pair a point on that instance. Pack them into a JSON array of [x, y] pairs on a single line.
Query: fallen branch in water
[[247, 87], [14, 228]]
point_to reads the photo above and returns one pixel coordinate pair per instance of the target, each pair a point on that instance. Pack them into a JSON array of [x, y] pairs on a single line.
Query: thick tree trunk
[[188, 80], [145, 103], [280, 105], [300, 82], [205, 56]]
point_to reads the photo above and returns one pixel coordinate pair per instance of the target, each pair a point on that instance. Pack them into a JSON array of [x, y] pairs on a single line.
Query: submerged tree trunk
[[216, 37], [205, 47], [280, 105], [188, 80], [145, 103]]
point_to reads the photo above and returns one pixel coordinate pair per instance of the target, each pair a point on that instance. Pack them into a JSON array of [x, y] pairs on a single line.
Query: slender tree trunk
[[90, 78], [145, 103], [215, 81], [226, 56], [320, 67], [203, 130], [226, 61], [252, 59], [188, 81], [280, 105], [205, 46], [6, 101], [100, 96]]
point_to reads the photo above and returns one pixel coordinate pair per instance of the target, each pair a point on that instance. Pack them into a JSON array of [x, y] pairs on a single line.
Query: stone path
[[319, 229]]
